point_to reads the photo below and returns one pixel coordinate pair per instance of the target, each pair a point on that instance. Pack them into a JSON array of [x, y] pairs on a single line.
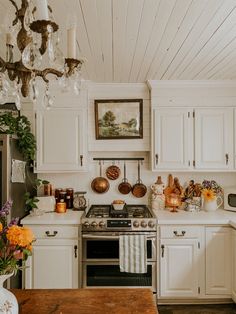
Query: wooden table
[[85, 301]]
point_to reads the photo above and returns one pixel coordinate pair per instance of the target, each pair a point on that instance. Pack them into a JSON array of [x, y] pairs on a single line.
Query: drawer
[[54, 232], [176, 232]]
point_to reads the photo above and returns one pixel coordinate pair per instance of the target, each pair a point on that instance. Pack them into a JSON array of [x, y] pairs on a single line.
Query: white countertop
[[218, 217], [69, 218]]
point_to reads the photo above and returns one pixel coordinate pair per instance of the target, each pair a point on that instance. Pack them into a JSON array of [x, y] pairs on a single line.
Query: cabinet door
[[214, 138], [172, 138], [179, 268], [218, 261], [60, 140], [53, 265], [234, 265]]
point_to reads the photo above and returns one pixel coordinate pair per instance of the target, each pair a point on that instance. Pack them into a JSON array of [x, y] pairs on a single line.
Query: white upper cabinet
[[60, 140], [214, 138], [187, 139], [210, 128], [171, 138], [61, 133]]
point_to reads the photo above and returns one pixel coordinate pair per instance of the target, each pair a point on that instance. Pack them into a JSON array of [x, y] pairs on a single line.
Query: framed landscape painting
[[118, 118]]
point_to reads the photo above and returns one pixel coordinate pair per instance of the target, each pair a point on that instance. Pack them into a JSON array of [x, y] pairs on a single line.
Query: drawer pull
[[162, 250], [179, 234], [81, 160], [51, 235]]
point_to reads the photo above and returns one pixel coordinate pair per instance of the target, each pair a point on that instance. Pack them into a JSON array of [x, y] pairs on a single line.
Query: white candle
[[71, 42], [42, 9], [9, 39]]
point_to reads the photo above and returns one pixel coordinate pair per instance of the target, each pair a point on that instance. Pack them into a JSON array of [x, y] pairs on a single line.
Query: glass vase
[[8, 301]]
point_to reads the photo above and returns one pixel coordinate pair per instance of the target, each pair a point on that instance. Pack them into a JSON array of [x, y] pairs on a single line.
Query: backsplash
[[82, 181]]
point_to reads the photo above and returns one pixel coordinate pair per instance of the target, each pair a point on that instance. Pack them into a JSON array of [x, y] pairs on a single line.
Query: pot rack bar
[[114, 159]]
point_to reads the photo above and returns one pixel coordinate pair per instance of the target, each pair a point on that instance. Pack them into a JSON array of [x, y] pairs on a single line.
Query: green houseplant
[[20, 126], [26, 143]]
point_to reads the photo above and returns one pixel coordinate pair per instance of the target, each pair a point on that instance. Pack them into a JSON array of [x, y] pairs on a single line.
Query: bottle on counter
[[61, 206], [57, 194]]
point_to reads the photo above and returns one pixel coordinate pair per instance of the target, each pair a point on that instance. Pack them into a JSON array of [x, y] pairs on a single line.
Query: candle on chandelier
[[42, 9], [71, 42], [9, 39]]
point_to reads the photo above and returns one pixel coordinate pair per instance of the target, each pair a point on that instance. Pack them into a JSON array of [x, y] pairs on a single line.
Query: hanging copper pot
[[124, 187], [139, 189], [100, 184]]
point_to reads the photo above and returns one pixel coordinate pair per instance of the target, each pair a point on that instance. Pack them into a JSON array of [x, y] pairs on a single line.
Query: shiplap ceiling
[[139, 40]]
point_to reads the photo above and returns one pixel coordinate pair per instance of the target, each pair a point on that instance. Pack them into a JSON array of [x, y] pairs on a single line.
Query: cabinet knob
[[51, 235], [157, 158], [162, 250], [75, 250]]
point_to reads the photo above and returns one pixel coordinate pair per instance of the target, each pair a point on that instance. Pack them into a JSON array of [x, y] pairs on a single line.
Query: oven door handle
[[109, 237]]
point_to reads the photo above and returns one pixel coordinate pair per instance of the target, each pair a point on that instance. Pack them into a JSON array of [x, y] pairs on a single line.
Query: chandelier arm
[[17, 11], [47, 71], [15, 5]]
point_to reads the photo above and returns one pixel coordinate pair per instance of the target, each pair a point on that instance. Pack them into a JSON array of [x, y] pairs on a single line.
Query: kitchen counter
[[85, 301], [218, 217], [69, 218]]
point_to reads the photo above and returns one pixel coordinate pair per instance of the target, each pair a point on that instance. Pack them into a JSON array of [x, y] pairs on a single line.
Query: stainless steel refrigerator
[[13, 190]]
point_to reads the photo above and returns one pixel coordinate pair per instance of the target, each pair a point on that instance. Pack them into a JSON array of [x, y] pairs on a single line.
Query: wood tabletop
[[85, 301]]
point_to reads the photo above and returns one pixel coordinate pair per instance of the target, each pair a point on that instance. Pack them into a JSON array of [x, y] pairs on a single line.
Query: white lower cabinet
[[234, 264], [218, 261], [180, 262], [54, 263]]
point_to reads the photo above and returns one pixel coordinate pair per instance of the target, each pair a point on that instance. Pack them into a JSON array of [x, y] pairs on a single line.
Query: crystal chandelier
[[36, 35]]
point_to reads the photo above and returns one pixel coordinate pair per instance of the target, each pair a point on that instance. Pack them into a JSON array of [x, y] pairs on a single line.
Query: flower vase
[[212, 205], [8, 301]]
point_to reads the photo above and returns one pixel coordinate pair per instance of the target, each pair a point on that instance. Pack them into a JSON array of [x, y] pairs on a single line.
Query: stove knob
[[94, 224], [136, 224], [143, 224], [151, 224], [86, 224], [102, 224]]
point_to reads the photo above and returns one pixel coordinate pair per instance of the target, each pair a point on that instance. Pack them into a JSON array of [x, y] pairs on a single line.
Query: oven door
[[108, 275], [104, 246], [100, 262]]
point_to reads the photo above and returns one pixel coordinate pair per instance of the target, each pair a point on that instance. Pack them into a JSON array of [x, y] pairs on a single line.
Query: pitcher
[[212, 205]]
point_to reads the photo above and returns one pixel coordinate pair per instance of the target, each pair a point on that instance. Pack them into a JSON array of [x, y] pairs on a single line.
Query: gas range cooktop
[[129, 211], [130, 218]]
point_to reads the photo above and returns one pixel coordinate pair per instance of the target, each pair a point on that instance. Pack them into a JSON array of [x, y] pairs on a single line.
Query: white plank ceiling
[[138, 40]]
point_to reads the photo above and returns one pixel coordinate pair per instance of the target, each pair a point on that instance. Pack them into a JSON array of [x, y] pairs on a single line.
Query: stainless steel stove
[[102, 227], [131, 218]]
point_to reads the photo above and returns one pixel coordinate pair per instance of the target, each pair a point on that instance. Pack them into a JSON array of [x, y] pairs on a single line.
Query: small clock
[[79, 201]]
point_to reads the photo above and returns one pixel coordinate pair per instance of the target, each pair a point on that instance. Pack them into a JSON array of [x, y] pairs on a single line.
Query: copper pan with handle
[[100, 184], [124, 187], [139, 189]]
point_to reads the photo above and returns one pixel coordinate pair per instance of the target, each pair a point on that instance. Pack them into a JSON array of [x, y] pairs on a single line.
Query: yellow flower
[[21, 236], [208, 195], [1, 227]]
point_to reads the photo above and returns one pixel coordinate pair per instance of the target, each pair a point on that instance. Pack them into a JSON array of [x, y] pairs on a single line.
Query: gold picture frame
[[118, 119]]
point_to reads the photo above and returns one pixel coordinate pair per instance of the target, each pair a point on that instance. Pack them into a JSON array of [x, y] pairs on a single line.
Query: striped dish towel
[[133, 253]]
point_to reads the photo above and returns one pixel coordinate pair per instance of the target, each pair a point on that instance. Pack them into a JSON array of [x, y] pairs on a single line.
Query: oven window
[[232, 200], [108, 249], [110, 275]]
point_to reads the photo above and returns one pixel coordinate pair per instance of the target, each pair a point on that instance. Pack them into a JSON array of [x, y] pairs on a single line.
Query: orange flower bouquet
[[208, 195], [15, 242]]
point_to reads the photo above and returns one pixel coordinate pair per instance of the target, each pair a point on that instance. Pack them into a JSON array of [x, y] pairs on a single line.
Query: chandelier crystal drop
[[36, 35]]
